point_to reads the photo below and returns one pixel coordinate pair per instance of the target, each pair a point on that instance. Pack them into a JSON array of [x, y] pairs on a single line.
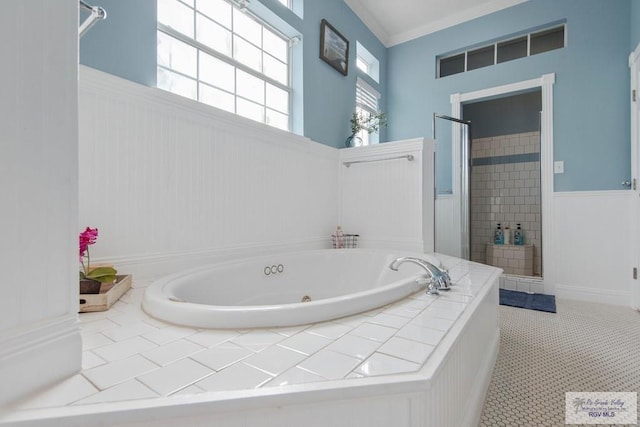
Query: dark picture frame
[[334, 48]]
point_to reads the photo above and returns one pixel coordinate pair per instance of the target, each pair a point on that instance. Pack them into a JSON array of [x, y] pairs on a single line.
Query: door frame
[[634, 65], [545, 83]]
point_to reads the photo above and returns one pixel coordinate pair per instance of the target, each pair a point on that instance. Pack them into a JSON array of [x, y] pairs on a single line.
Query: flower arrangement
[[99, 274], [367, 121]]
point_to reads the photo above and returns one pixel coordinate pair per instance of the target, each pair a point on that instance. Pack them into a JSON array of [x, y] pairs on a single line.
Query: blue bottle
[[498, 236], [518, 236]]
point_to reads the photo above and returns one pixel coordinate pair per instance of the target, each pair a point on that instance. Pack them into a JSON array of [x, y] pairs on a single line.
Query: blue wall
[[125, 45], [635, 23], [591, 109], [330, 96], [504, 116]]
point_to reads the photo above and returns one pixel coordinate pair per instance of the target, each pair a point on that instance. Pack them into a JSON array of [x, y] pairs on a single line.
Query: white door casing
[[634, 64], [545, 83]]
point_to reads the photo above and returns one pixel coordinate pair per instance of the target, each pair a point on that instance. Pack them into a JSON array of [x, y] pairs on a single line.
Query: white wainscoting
[[169, 181], [591, 247], [589, 253], [386, 199], [39, 188]]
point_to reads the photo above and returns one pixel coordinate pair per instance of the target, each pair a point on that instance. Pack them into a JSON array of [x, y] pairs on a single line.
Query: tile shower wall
[[505, 188]]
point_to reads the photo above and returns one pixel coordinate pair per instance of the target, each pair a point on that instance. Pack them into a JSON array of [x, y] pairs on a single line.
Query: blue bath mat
[[538, 302]]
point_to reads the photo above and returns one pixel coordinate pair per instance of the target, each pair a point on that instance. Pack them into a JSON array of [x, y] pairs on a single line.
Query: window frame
[[235, 63], [496, 45]]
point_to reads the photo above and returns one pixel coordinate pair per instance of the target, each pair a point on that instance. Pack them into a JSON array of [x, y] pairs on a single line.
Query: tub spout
[[439, 277]]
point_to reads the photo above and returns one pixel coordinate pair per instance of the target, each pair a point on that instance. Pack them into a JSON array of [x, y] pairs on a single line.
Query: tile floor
[[128, 355], [583, 347]]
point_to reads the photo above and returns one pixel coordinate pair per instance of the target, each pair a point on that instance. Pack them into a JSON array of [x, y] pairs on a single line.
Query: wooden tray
[[103, 301]]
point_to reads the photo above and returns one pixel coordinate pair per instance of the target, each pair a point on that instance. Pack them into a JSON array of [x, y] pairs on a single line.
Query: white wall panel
[[389, 201], [38, 184], [163, 175], [592, 256]]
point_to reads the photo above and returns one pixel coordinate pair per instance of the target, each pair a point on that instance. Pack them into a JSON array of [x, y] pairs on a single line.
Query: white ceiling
[[398, 21]]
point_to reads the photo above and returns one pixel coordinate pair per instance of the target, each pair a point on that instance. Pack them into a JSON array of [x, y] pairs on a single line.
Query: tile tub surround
[[505, 188], [131, 360]]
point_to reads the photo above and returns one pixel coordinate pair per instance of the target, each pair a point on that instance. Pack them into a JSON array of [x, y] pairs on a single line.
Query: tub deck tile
[[129, 355]]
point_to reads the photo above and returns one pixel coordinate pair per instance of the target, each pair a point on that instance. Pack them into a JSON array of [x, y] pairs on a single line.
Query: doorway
[[505, 182], [449, 204]]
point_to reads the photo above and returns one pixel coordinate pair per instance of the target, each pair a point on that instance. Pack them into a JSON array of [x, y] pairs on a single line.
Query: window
[[545, 41], [479, 58], [452, 65], [367, 63], [214, 52], [502, 51], [287, 3], [366, 103], [512, 49]]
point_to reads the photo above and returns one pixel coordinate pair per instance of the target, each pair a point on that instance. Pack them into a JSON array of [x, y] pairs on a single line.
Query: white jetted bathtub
[[283, 290]]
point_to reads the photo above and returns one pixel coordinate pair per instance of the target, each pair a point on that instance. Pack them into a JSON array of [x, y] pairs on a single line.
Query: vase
[[353, 141]]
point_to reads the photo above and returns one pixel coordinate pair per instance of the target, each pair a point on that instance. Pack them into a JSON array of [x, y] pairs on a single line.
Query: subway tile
[[175, 376], [211, 338], [274, 360], [60, 394], [122, 333], [402, 348], [382, 364], [94, 340], [329, 364], [235, 377], [110, 374], [124, 349], [221, 356], [329, 330], [257, 340], [294, 375], [306, 343], [171, 352], [129, 390], [167, 335]]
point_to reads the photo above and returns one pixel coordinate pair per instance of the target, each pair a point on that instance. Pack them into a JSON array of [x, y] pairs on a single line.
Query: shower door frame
[[545, 83]]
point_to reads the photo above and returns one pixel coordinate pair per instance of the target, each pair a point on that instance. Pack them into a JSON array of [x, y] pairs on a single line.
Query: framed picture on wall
[[334, 48]]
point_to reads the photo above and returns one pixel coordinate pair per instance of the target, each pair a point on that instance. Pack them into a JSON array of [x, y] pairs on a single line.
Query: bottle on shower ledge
[[498, 236], [518, 236]]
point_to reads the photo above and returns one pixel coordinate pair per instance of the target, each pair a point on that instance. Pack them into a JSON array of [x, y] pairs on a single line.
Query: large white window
[[366, 103], [217, 53]]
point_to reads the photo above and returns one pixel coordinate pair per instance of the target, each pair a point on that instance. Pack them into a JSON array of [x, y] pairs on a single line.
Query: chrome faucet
[[439, 276]]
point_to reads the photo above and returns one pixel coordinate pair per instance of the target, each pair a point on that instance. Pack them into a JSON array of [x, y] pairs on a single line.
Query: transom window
[[502, 51], [215, 52]]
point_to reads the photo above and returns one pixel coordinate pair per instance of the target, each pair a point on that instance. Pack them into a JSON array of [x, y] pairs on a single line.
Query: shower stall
[[496, 182]]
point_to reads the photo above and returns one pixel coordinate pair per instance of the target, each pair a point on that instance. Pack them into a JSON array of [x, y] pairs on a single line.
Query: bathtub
[[283, 290]]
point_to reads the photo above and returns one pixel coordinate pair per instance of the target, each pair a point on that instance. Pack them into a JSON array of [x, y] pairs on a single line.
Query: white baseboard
[[42, 355], [603, 296]]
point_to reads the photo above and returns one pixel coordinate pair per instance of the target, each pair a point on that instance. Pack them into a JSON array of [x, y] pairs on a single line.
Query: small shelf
[[513, 259]]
